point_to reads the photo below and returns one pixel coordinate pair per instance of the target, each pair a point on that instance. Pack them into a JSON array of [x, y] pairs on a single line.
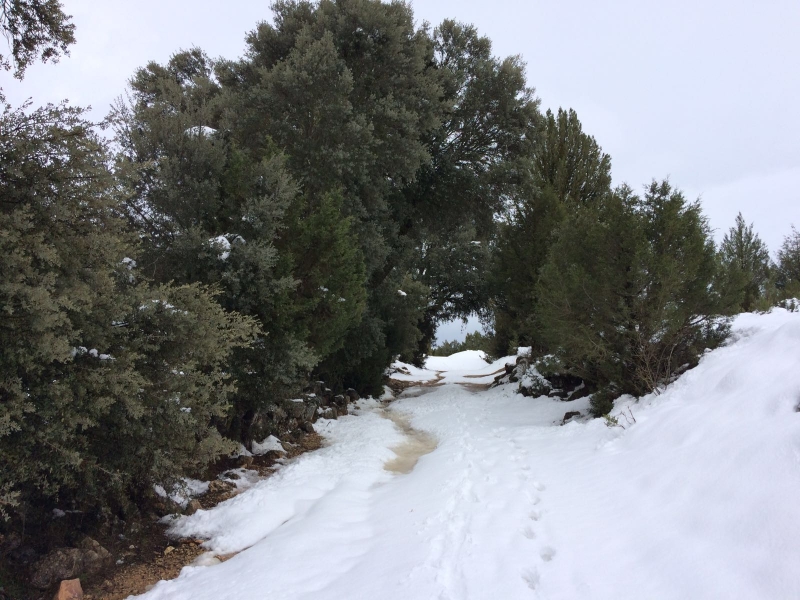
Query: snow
[[270, 443], [183, 491], [222, 244], [694, 495], [200, 131]]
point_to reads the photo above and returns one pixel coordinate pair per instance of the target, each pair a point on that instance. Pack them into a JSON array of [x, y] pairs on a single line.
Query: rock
[[68, 563], [352, 394], [340, 403], [95, 557], [218, 486], [308, 427], [311, 405], [193, 507], [69, 589], [58, 564], [168, 550], [245, 461], [569, 415]]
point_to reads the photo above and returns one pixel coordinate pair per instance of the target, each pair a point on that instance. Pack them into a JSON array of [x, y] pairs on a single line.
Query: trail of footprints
[[532, 489]]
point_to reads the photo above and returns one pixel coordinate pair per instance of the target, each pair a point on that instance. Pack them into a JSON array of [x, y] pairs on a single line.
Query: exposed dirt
[[151, 556], [503, 370]]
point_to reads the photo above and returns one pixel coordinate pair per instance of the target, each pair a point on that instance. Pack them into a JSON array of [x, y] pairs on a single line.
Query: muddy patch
[[503, 370], [417, 444]]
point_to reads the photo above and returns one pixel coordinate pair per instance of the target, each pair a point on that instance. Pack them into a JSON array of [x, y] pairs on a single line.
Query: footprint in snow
[[531, 577], [547, 553], [535, 515], [539, 486], [528, 532]]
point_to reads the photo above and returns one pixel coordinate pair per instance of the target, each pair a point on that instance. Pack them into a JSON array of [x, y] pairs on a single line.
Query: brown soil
[[503, 370], [398, 387], [150, 556]]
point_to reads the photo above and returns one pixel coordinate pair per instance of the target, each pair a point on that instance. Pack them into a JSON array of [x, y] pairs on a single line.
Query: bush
[[629, 292]]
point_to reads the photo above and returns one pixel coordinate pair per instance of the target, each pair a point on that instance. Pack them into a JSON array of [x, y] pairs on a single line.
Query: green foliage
[[746, 263], [566, 170], [473, 341], [331, 294], [109, 384], [212, 211], [627, 295], [34, 29], [789, 265]]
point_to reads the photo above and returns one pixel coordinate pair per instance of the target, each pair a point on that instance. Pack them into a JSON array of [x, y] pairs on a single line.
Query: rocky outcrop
[[533, 384], [68, 563], [291, 418]]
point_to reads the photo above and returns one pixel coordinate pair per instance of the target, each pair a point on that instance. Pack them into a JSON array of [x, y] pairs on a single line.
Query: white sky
[[706, 92]]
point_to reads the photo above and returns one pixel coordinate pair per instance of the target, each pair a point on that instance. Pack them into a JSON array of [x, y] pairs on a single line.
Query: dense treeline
[[311, 211]]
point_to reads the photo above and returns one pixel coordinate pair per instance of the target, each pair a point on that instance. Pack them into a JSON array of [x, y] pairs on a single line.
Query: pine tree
[[746, 259]]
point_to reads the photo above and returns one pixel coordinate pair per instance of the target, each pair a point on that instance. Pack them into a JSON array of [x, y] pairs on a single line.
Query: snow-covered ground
[[699, 498]]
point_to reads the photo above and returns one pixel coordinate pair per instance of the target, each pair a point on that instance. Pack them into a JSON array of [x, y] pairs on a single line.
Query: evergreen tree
[[34, 29], [565, 171], [212, 211], [109, 384], [627, 295], [746, 259], [789, 264]]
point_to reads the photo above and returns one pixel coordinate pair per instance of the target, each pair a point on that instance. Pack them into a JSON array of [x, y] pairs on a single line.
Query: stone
[[95, 557], [193, 507], [311, 405], [217, 486], [245, 461], [168, 550], [58, 564], [569, 415], [307, 426], [352, 394], [69, 589]]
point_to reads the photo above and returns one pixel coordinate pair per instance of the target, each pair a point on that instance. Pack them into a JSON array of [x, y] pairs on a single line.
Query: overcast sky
[[705, 92]]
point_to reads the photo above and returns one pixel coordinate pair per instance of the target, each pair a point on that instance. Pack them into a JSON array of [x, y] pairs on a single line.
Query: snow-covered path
[[696, 499]]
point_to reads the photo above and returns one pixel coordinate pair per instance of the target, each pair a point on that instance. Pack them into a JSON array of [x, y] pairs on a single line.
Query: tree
[[627, 295], [34, 29], [109, 384], [211, 210], [565, 170], [746, 259], [789, 263]]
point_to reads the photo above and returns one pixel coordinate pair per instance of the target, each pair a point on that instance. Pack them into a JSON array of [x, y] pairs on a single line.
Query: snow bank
[[460, 361]]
